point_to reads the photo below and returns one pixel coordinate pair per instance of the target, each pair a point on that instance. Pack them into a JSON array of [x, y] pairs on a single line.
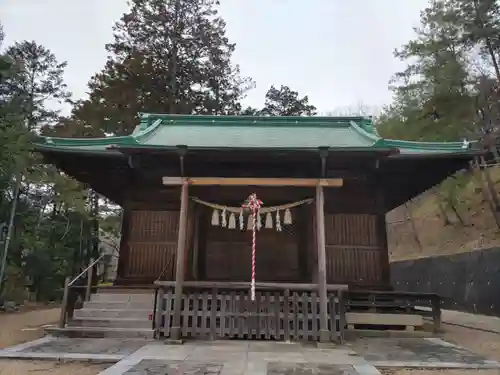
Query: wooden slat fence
[[280, 315]]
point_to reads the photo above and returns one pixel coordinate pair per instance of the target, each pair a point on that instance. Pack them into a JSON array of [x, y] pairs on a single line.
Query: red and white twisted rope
[[254, 205]]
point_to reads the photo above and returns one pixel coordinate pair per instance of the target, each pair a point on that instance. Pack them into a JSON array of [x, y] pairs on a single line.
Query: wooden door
[[151, 245], [353, 251]]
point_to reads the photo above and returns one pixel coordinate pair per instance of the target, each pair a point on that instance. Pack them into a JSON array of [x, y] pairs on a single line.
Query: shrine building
[[325, 185]]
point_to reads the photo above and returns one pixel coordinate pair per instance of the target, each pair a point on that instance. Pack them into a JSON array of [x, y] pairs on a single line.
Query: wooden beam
[[235, 285], [250, 181]]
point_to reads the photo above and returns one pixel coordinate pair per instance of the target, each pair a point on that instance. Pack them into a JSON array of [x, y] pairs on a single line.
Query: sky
[[338, 52]]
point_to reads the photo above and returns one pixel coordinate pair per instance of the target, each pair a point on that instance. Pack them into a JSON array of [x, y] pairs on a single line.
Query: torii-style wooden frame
[[319, 184]]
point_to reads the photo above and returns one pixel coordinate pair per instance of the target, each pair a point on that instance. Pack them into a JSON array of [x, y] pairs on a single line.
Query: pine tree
[[432, 96], [480, 22], [38, 80], [168, 56], [286, 102]]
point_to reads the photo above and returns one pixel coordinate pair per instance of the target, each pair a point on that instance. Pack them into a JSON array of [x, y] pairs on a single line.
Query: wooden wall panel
[[151, 245], [228, 254], [352, 249]]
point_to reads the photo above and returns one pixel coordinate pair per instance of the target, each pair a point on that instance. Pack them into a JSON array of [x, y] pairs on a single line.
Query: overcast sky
[[339, 52]]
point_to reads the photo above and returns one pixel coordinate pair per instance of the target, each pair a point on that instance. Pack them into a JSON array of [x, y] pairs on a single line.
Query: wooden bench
[[374, 320], [382, 306]]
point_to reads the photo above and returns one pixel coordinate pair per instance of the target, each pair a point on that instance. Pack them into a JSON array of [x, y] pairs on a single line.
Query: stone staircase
[[120, 313]]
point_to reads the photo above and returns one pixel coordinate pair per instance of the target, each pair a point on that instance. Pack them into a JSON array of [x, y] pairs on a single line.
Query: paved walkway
[[360, 357]]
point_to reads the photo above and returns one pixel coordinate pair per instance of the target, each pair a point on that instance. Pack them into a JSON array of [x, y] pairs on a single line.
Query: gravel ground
[[16, 328]]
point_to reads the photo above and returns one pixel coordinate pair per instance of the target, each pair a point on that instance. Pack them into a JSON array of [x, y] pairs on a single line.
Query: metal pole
[[9, 230]]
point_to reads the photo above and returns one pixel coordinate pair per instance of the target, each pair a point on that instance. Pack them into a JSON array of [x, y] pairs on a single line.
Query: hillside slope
[[428, 234]]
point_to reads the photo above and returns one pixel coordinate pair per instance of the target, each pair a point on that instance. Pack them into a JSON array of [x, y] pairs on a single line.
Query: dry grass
[[434, 236], [11, 367], [16, 328]]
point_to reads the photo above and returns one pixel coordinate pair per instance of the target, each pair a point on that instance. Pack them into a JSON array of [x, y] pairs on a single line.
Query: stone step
[[125, 323], [102, 305], [101, 332], [122, 297], [113, 313]]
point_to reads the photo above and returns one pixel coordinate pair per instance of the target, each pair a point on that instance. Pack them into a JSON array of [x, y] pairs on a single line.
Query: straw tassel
[[242, 221], [232, 221], [250, 222], [269, 221], [215, 217], [287, 220], [278, 221], [224, 218], [259, 221]]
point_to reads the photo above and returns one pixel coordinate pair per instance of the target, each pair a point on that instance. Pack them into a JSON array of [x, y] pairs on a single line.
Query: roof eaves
[[55, 142], [72, 150], [430, 146]]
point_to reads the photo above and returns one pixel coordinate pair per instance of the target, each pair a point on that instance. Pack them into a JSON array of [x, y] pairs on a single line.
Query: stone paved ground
[[158, 367], [266, 358], [413, 350], [88, 346]]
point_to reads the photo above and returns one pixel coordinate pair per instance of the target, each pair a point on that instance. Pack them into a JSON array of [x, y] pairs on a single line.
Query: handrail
[[85, 270]]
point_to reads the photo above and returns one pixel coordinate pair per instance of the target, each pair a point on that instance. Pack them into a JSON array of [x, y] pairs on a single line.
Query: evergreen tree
[[286, 102], [168, 56], [480, 24], [432, 96], [37, 81]]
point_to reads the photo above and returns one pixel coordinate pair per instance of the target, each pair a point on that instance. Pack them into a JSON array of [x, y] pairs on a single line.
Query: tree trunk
[[414, 228], [484, 190], [491, 185], [17, 190], [487, 40]]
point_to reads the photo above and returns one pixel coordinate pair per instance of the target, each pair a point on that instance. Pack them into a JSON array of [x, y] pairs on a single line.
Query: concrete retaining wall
[[468, 282]]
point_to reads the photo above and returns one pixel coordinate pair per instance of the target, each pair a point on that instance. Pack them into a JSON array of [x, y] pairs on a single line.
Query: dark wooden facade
[[356, 246], [336, 242]]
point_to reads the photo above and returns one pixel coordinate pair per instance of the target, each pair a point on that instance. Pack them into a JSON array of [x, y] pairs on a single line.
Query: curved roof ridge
[[363, 132], [236, 120], [146, 133]]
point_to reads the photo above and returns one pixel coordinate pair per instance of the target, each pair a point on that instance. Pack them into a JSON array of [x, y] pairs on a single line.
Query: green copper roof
[[219, 132]]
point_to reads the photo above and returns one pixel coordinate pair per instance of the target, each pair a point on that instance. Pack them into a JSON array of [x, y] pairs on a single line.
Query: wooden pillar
[[196, 245], [64, 303], [324, 334], [124, 253], [90, 275], [180, 263], [381, 225]]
